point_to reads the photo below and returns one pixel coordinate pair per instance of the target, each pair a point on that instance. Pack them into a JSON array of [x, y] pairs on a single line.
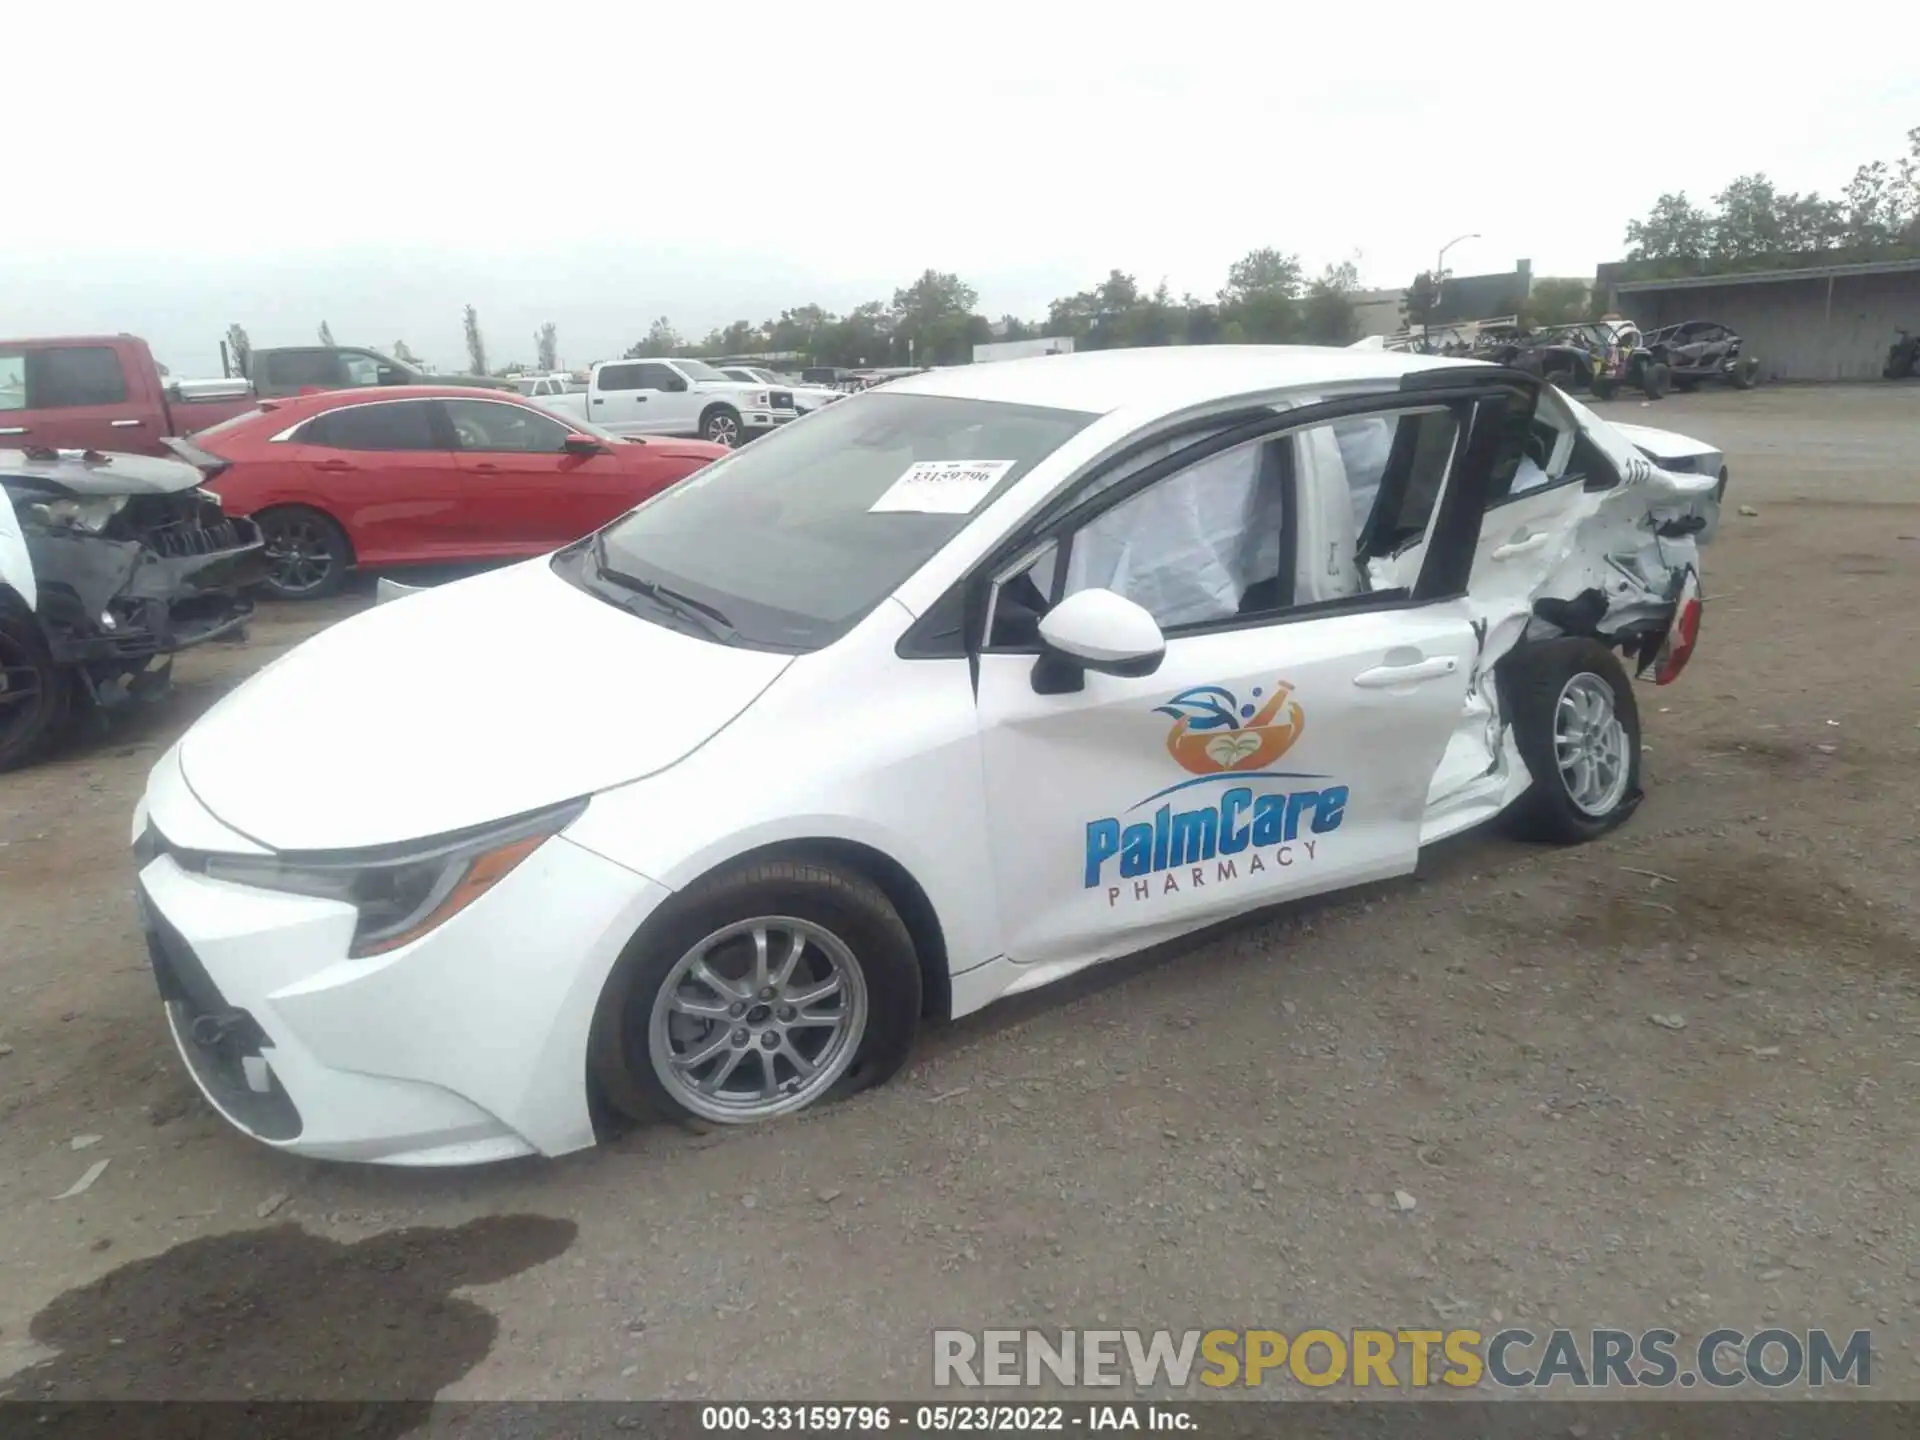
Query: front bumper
[[765, 420], [104, 600], [467, 1046]]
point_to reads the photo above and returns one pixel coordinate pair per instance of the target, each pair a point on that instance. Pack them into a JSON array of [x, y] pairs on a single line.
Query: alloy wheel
[[759, 1019], [1590, 745], [20, 685], [724, 430], [298, 555]]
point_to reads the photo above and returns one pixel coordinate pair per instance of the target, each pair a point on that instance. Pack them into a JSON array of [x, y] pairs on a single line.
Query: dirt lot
[[1203, 1138]]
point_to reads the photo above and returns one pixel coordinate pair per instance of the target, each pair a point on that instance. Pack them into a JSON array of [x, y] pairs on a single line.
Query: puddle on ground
[[279, 1313]]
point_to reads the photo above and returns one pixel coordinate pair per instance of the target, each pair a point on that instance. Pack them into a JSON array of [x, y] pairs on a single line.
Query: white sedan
[[965, 685]]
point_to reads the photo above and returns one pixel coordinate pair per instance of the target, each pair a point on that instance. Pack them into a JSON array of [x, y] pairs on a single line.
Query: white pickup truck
[[674, 397]]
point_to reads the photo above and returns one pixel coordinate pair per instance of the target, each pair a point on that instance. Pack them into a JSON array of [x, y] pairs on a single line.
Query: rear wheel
[[755, 993], [1685, 384], [1577, 725], [721, 425], [1654, 379], [36, 695], [307, 553], [1745, 374], [1604, 387]]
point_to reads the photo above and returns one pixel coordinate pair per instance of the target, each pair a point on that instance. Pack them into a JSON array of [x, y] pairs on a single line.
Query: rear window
[[797, 537]]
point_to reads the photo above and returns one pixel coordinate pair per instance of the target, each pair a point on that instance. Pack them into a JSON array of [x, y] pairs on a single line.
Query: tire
[[36, 696], [721, 425], [308, 555], [1534, 684], [638, 1033], [1605, 387], [1685, 384], [1745, 377], [1654, 379]]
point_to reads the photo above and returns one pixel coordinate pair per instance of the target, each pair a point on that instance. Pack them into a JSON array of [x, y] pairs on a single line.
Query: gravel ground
[[1208, 1136]]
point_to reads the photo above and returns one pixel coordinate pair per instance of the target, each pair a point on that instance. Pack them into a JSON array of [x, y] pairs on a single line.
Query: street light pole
[[1440, 264]]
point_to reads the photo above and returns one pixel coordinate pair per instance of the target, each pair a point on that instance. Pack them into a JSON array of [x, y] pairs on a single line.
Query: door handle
[[485, 465], [1525, 545], [123, 424], [334, 465], [1385, 677], [598, 401]]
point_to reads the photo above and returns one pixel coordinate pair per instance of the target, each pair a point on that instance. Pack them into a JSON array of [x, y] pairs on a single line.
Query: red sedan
[[412, 475]]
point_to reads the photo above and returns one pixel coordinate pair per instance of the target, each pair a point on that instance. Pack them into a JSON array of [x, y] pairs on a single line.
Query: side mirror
[[578, 444], [676, 385], [1096, 630]]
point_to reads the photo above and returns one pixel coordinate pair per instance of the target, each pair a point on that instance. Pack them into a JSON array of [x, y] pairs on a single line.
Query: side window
[[405, 425], [488, 426], [13, 382], [66, 377], [660, 377], [361, 369], [623, 377]]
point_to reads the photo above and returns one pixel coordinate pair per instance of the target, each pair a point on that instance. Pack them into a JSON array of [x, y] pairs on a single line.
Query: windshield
[[794, 539], [698, 370]]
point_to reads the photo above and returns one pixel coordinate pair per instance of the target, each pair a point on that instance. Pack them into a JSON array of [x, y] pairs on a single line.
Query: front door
[[526, 493], [1284, 746], [636, 397]]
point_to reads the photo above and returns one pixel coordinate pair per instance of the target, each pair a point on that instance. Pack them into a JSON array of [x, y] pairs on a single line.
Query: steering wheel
[[470, 435]]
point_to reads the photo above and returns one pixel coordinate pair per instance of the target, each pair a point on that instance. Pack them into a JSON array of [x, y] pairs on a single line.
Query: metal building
[[1828, 322]]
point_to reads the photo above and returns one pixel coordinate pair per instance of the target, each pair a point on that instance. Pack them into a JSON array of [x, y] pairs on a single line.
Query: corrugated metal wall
[[1791, 327]]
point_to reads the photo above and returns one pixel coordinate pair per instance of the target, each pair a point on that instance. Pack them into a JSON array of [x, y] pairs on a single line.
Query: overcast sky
[[380, 166]]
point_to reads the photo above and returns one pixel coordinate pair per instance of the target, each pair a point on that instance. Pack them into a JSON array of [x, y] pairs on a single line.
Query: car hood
[[113, 474], [457, 706], [1663, 444]]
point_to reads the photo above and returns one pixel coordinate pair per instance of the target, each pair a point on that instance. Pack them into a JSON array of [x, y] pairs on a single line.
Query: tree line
[[1752, 221], [1268, 298]]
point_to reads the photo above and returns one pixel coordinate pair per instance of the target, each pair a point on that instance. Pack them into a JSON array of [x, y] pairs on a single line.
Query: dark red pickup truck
[[103, 392]]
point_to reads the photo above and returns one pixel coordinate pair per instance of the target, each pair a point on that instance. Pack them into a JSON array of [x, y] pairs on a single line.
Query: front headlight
[[402, 892], [762, 400], [90, 514]]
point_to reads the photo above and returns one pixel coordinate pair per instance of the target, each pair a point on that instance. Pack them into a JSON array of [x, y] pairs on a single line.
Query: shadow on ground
[[280, 1314]]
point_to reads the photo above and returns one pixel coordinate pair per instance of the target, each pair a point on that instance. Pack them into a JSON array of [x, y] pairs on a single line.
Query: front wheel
[[1604, 387], [721, 425], [36, 695], [307, 553], [755, 993], [1654, 379], [1577, 726], [1745, 375]]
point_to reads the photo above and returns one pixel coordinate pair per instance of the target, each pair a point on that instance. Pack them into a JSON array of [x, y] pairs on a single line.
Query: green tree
[[240, 348], [1326, 314], [1422, 299], [546, 347], [476, 346], [1675, 229], [326, 334], [1261, 295], [933, 315], [1556, 301], [1012, 327], [661, 339]]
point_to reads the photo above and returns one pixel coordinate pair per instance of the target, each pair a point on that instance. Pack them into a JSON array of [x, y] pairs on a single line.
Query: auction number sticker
[[943, 487]]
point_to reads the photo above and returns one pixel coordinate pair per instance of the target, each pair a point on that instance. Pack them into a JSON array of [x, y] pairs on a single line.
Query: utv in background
[[1696, 352], [1903, 356]]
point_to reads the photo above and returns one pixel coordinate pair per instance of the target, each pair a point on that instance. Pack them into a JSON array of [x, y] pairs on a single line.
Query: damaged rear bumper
[[114, 601]]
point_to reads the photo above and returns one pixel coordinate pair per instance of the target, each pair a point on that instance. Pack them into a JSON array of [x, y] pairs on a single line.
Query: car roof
[[1162, 378], [298, 406]]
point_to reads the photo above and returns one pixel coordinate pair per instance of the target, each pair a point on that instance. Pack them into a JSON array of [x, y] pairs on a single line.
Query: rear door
[[627, 397], [525, 493], [288, 372], [386, 470], [74, 396]]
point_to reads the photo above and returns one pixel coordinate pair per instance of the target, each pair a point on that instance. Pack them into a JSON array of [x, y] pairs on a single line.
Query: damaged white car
[[964, 685]]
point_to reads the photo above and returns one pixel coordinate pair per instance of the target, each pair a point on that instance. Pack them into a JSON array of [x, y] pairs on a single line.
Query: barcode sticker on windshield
[[943, 487]]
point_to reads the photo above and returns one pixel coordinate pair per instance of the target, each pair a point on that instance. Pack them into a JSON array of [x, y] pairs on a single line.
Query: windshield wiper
[[713, 621]]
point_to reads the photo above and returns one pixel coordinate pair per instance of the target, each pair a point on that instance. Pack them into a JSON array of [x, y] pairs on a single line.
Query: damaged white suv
[[964, 685]]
